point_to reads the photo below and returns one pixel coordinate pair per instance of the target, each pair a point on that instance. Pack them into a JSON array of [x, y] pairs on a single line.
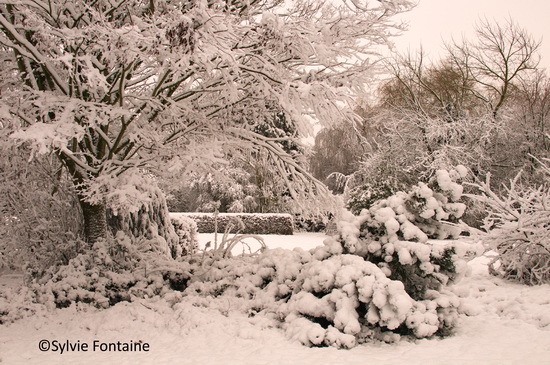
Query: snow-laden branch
[[286, 165], [35, 53], [518, 230]]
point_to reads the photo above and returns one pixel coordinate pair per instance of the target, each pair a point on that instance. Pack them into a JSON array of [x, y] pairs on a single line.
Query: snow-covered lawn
[[503, 323]]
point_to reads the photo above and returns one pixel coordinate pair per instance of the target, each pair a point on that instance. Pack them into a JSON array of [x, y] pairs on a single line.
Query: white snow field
[[502, 323]]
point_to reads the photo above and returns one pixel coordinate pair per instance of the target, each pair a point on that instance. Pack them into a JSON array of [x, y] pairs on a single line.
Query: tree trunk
[[95, 221]]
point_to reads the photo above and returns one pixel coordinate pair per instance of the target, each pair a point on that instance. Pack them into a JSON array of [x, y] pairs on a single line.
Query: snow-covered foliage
[[365, 195], [411, 146], [186, 229], [500, 323], [143, 213], [17, 303], [324, 297], [518, 229], [431, 207], [229, 189], [112, 87], [39, 216], [377, 280], [119, 269], [393, 233]]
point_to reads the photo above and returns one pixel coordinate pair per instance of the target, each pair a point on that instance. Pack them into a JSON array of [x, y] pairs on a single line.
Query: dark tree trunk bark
[[95, 221]]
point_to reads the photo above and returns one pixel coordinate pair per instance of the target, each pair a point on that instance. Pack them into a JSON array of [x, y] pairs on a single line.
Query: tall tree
[[115, 87], [500, 54]]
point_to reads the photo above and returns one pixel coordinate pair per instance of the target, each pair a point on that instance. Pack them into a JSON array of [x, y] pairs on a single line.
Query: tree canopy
[[114, 87]]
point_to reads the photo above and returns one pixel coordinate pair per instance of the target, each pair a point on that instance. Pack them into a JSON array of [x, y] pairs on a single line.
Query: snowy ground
[[504, 323]]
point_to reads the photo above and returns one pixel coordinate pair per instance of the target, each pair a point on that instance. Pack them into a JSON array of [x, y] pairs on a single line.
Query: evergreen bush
[[378, 279]]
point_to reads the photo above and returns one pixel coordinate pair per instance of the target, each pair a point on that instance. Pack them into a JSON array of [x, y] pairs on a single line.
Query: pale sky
[[434, 21]]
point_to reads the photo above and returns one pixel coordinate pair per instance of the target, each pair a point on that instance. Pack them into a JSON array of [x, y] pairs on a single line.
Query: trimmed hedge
[[244, 223]]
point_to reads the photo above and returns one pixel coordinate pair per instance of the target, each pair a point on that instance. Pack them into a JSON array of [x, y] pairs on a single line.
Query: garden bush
[[121, 268], [39, 215], [378, 279], [186, 229]]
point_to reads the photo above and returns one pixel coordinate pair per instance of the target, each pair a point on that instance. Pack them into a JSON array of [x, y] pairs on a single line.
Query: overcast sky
[[434, 21]]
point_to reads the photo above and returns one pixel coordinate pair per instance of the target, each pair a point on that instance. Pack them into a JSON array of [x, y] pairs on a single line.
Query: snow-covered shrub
[[321, 222], [323, 297], [393, 233], [113, 270], [144, 215], [355, 301], [362, 197], [379, 279], [18, 303], [518, 229], [186, 229]]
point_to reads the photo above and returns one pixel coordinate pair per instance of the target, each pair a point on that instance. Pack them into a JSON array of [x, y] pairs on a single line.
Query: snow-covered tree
[[114, 88], [480, 106]]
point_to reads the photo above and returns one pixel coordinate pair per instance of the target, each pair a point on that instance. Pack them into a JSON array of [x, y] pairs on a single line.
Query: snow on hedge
[[245, 223]]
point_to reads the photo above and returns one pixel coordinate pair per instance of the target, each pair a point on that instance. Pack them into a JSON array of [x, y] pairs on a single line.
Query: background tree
[[461, 110], [251, 180], [427, 119], [529, 116], [336, 154], [115, 87], [500, 54]]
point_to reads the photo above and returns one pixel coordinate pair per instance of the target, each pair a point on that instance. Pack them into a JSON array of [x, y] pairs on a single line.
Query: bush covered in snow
[[186, 229], [324, 297], [518, 229], [122, 268], [378, 279], [364, 196], [113, 270], [393, 232], [138, 208], [39, 215], [18, 303]]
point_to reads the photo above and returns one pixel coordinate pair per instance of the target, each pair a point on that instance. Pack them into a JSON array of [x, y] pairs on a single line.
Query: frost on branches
[[111, 87], [518, 229], [378, 279]]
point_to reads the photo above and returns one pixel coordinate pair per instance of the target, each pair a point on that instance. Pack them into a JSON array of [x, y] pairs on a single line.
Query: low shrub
[[113, 270], [187, 232], [378, 279]]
